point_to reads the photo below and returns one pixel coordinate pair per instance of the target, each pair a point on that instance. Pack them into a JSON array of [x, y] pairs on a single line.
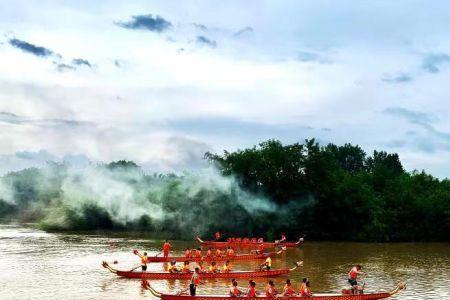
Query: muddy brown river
[[39, 265]]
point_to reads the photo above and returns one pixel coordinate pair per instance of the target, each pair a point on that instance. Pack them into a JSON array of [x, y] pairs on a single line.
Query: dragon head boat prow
[[400, 286]]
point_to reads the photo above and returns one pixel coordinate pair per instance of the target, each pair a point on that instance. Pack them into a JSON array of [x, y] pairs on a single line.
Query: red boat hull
[[318, 297], [214, 258], [237, 274]]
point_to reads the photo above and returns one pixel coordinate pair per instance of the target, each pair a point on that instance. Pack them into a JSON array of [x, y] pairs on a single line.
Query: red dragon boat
[[368, 296], [158, 259], [167, 275], [250, 244]]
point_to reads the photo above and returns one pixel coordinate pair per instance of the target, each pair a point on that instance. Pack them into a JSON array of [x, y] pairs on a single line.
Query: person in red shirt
[[251, 292], [271, 291], [353, 276], [234, 290], [197, 253], [288, 290], [218, 253], [260, 249], [230, 252], [187, 253], [218, 236], [209, 252], [166, 248]]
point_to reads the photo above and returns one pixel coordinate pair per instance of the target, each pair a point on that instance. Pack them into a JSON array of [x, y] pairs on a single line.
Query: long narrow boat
[[368, 296], [167, 275], [214, 258], [215, 244]]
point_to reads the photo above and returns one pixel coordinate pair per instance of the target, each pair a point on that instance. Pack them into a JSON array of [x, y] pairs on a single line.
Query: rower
[[288, 290], [253, 241], [260, 248], [197, 253], [251, 292], [213, 268], [186, 268], [353, 276], [195, 281], [199, 265], [271, 291], [265, 266], [260, 240], [166, 248], [234, 290], [144, 259], [307, 290], [218, 235], [283, 238], [187, 253], [303, 285], [218, 253], [209, 252], [173, 268], [227, 267], [230, 252]]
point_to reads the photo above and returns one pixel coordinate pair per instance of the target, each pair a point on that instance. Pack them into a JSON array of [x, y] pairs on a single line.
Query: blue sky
[[161, 82]]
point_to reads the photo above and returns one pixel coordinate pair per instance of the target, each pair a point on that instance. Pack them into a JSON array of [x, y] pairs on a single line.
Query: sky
[[162, 82]]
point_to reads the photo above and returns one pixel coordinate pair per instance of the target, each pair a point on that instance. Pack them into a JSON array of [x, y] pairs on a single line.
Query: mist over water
[[121, 196]]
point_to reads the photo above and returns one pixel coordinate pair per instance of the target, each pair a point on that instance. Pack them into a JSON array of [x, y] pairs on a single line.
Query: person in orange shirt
[[230, 252], [218, 253], [173, 268], [288, 290], [227, 267], [302, 285], [307, 290], [186, 268], [209, 252], [213, 268], [144, 259], [198, 252], [260, 249], [166, 248], [187, 253], [271, 291]]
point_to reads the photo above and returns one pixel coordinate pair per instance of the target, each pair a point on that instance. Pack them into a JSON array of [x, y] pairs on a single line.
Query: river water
[[39, 265]]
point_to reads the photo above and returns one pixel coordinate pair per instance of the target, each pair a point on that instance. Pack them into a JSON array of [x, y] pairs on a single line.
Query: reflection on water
[[39, 265]]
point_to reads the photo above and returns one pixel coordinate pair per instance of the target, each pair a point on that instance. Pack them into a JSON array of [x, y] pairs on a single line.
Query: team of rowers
[[212, 268]]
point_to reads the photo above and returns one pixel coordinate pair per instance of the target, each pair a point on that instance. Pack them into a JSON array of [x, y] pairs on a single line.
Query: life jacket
[[198, 253], [302, 287], [172, 268], [353, 274], [235, 291], [186, 269], [144, 259], [212, 268], [288, 290], [270, 291], [306, 292], [251, 292], [226, 268]]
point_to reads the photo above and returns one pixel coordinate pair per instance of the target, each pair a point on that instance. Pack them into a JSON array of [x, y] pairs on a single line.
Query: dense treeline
[[327, 192], [340, 193]]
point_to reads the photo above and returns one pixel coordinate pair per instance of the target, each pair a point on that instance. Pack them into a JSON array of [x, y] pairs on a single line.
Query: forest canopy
[[328, 192]]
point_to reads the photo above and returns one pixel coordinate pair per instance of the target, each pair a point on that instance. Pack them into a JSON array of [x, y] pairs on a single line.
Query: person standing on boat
[[271, 291], [353, 276], [218, 236], [234, 290], [288, 290], [166, 248], [144, 260], [195, 281]]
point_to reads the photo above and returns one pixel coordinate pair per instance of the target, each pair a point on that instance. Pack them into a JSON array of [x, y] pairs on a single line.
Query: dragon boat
[[249, 244], [167, 275], [318, 296], [250, 256]]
